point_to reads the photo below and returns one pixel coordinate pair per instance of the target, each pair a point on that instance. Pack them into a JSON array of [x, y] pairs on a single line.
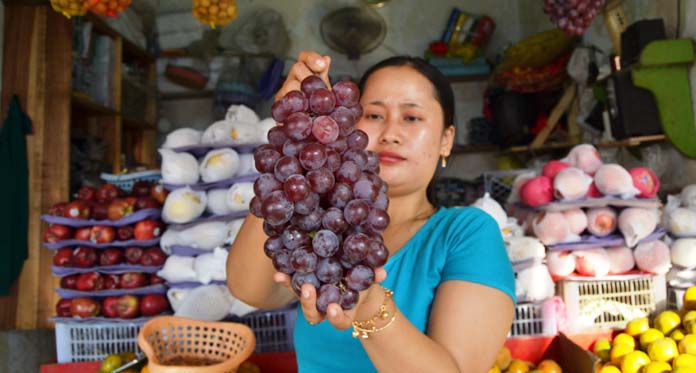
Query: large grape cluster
[[573, 16], [320, 195]]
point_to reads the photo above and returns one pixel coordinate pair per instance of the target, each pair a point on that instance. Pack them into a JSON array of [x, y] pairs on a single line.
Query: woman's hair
[[443, 95]]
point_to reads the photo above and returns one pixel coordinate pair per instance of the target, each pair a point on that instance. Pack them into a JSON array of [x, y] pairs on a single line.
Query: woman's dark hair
[[443, 94]]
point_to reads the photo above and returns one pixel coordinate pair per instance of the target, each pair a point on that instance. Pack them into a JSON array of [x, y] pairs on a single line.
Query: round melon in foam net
[[239, 196], [571, 184], [585, 157], [182, 137], [219, 164], [552, 228], [577, 220], [241, 113], [688, 196], [178, 168], [560, 263], [620, 260], [637, 223], [601, 221], [614, 180], [217, 202], [592, 262], [681, 221], [653, 257], [524, 248], [492, 208], [205, 236], [534, 284], [683, 252], [183, 205], [263, 127]]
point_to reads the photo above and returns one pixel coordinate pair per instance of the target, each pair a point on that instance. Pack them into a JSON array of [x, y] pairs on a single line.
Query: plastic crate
[[675, 297], [126, 181], [531, 319], [609, 303], [499, 183], [273, 328], [77, 342]]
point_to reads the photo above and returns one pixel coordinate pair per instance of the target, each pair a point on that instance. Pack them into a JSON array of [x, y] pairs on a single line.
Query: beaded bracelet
[[363, 329]]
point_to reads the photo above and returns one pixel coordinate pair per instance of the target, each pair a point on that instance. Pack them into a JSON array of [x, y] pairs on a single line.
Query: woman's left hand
[[368, 303]]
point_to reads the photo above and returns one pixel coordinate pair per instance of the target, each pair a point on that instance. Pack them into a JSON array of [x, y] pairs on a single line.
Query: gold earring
[[443, 161]]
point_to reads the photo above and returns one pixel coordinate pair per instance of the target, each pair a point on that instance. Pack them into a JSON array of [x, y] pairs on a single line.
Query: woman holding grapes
[[444, 300]]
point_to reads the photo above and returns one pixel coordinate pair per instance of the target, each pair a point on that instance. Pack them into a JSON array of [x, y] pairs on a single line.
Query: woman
[[453, 286]]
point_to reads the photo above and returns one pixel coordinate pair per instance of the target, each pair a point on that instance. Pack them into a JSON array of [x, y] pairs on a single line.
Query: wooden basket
[[180, 342]]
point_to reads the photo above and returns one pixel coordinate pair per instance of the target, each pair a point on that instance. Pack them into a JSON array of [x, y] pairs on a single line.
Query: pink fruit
[[592, 262], [537, 191], [585, 157], [653, 257], [601, 221], [560, 263], [614, 180], [552, 168], [550, 227], [620, 260], [645, 181], [577, 220], [571, 184], [636, 224]]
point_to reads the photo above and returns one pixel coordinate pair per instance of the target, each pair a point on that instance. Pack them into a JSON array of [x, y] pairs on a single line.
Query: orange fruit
[[549, 366], [518, 366], [503, 359]]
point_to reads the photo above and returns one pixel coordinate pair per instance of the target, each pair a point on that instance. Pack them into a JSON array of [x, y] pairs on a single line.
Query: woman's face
[[404, 122]]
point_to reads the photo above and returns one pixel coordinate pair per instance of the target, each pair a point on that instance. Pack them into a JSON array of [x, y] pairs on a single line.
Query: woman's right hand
[[308, 63]]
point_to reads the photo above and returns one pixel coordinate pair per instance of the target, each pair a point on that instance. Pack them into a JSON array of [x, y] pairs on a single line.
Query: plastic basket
[[499, 183], [273, 328], [77, 342], [532, 320], [609, 303], [126, 181], [183, 344]]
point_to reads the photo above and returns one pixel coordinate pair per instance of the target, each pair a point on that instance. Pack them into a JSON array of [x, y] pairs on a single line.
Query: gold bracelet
[[363, 329]]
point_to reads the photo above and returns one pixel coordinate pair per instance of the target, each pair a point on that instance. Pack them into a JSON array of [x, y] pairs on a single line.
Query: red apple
[[125, 233], [58, 209], [153, 256], [159, 193], [133, 280], [63, 257], [128, 306], [108, 192], [87, 193], [90, 281], [84, 307], [83, 233], [110, 307], [141, 188], [78, 210], [84, 257], [153, 304], [156, 280], [69, 282], [110, 257], [120, 208], [645, 181], [147, 229], [100, 211], [57, 232], [112, 281], [63, 308], [146, 203], [133, 254], [102, 234]]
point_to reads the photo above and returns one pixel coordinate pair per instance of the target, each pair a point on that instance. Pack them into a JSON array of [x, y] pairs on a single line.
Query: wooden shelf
[[633, 141], [137, 124], [130, 49], [82, 101]]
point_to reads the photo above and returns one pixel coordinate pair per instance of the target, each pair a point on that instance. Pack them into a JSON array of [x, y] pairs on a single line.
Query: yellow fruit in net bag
[[69, 8], [109, 8], [214, 12]]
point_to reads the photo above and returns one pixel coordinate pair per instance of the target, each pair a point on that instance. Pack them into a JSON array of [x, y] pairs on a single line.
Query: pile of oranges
[[214, 12], [504, 363]]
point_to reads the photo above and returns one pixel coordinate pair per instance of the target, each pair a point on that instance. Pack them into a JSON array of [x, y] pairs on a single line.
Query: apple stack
[[106, 253], [595, 219]]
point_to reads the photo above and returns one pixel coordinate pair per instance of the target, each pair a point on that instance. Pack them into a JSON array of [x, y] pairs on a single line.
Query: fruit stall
[[142, 136]]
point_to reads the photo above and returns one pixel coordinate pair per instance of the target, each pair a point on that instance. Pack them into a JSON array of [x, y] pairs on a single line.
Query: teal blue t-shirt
[[454, 244]]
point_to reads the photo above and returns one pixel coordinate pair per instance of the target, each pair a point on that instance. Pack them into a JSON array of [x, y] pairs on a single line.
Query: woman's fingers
[[308, 63], [337, 317], [380, 275], [283, 279], [308, 300]]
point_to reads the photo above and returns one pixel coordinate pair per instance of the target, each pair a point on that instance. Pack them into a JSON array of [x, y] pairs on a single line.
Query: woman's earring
[[443, 161]]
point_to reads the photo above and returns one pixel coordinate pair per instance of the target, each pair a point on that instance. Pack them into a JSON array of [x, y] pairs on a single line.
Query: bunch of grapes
[[573, 16], [320, 195]]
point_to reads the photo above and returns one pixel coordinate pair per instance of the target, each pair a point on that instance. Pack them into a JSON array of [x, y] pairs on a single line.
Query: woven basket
[[176, 345]]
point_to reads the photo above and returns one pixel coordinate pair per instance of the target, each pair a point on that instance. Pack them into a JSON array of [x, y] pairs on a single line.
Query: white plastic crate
[[76, 342], [675, 297], [532, 319], [609, 303]]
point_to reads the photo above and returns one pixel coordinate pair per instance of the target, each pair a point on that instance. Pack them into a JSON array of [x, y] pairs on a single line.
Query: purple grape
[[357, 156], [307, 205], [310, 222], [377, 255], [347, 93], [296, 101], [358, 140], [280, 110], [357, 112], [277, 208], [325, 243], [377, 220], [372, 162], [321, 180], [364, 189], [333, 160], [299, 279], [334, 221], [376, 180], [349, 298], [329, 270], [382, 201], [303, 260], [356, 212], [339, 145], [273, 246], [328, 294], [292, 148], [340, 195], [281, 262], [265, 158], [325, 129], [311, 84], [345, 120], [276, 137], [355, 248], [255, 207], [360, 277], [296, 188], [298, 126], [287, 166], [312, 156], [293, 238], [348, 173], [322, 101], [265, 185], [273, 230]]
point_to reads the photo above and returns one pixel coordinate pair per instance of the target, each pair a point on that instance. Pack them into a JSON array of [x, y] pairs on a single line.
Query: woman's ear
[[447, 141]]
